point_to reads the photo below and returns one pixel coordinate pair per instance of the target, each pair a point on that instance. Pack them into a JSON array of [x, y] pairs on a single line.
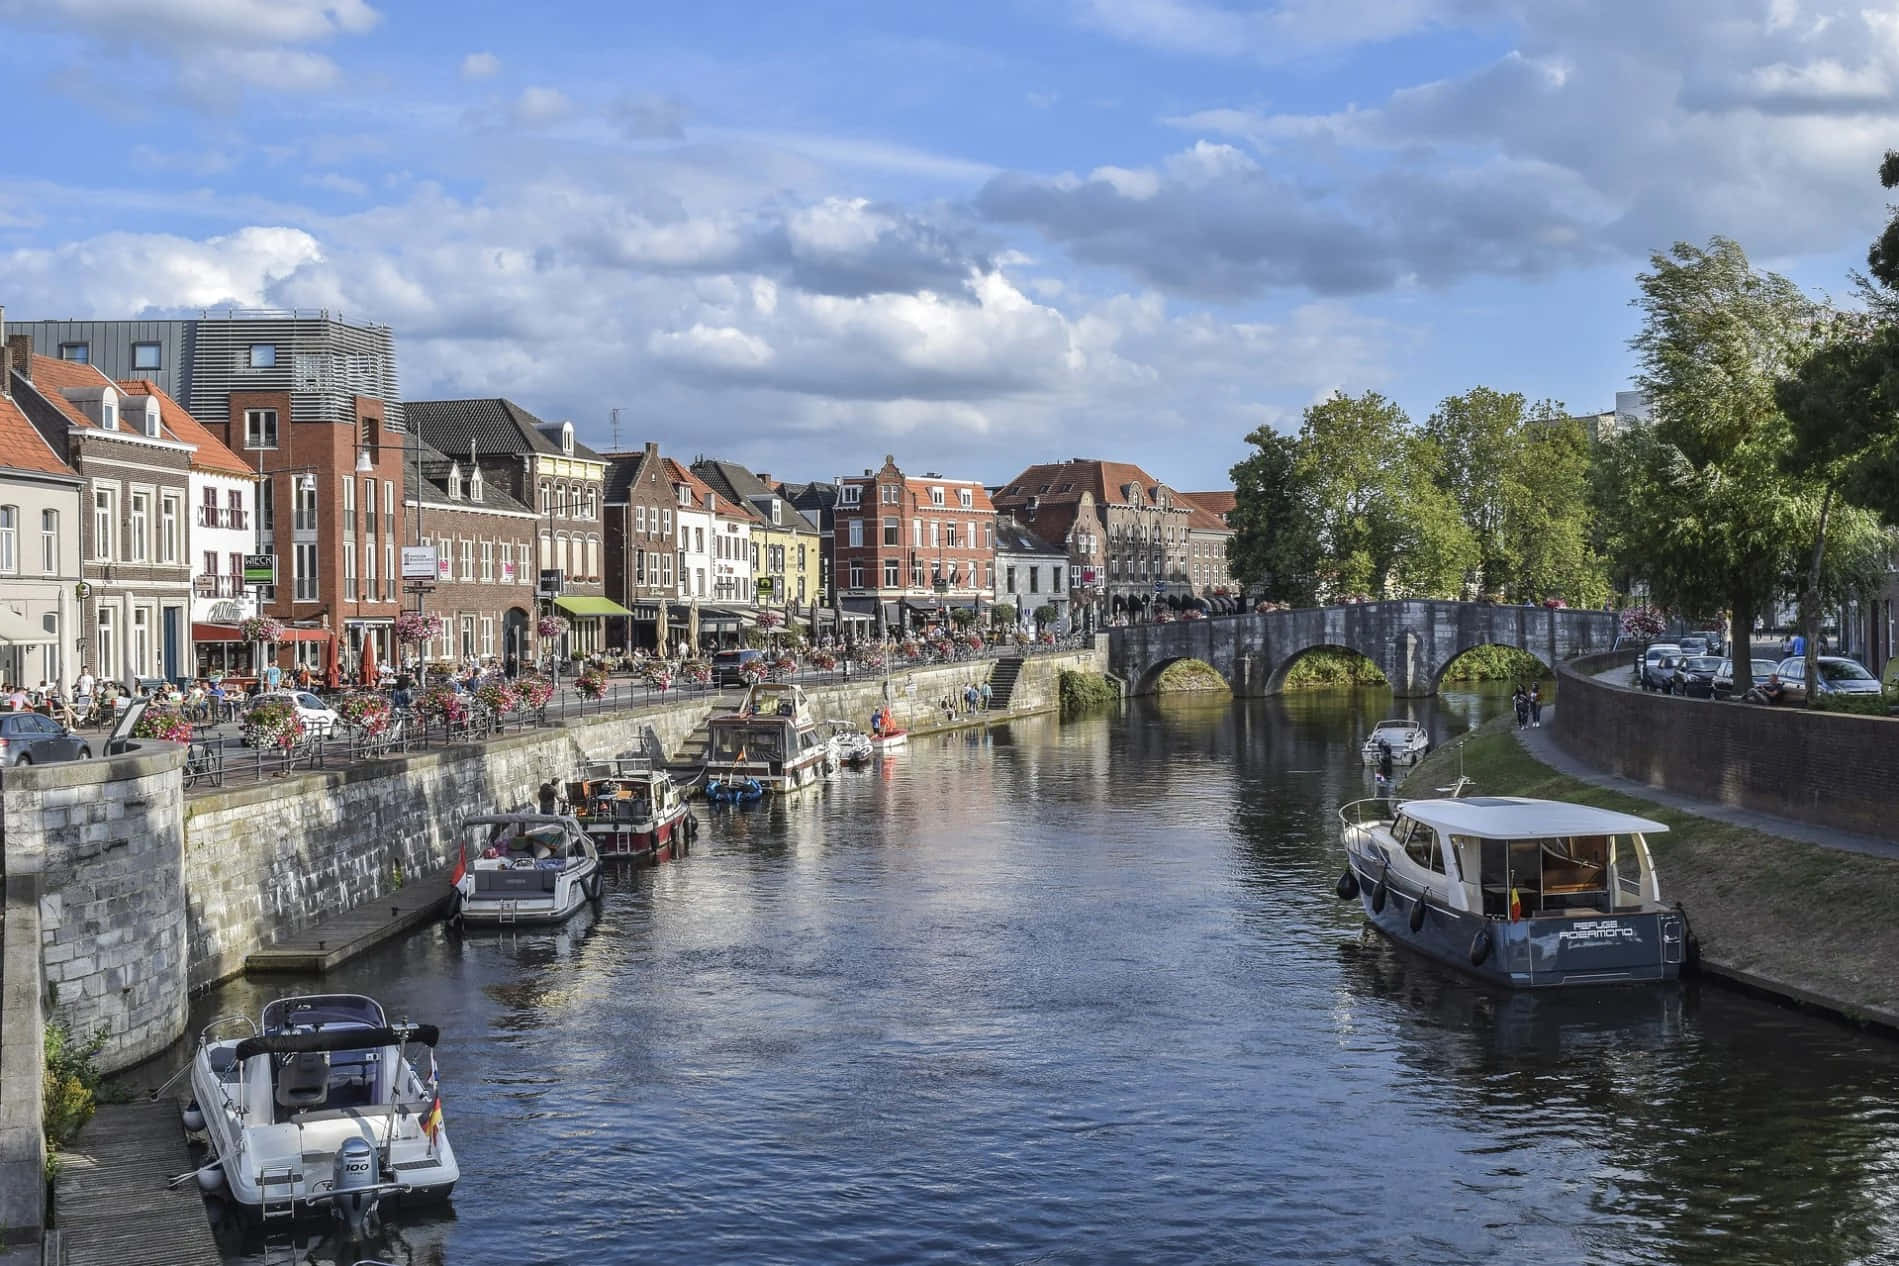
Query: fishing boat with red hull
[[632, 809]]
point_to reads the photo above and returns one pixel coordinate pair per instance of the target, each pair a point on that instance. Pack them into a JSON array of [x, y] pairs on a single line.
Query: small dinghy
[[323, 1107], [528, 868], [1407, 740], [734, 790], [849, 744]]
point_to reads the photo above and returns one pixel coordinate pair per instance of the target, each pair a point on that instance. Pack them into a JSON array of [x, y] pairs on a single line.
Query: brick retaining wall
[[1825, 768]]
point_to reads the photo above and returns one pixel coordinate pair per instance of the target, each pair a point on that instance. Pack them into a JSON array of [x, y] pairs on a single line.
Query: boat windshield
[[532, 840], [314, 1011], [748, 742], [1560, 875]]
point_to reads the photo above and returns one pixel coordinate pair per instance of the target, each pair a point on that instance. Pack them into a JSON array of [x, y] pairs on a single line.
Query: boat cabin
[[774, 736], [524, 854]]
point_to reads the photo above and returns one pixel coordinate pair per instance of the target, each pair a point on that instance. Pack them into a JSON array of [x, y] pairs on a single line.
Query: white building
[[1030, 574], [698, 533]]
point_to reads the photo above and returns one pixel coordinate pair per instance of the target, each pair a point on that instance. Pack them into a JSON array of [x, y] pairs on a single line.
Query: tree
[[1003, 615], [1046, 615], [1275, 546], [1699, 503]]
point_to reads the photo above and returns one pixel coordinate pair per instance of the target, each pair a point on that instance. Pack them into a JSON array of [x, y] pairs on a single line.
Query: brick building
[[642, 568], [907, 550]]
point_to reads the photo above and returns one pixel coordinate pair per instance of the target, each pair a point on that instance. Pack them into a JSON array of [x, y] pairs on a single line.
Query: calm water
[[1083, 994]]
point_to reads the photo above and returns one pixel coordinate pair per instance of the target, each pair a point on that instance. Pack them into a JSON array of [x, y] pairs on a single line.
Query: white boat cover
[[1519, 818]]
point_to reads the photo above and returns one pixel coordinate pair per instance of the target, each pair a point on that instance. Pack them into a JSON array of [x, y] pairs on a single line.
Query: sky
[[974, 235]]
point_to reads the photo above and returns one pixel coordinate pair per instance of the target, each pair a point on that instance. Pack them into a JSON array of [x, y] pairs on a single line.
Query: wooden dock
[[111, 1202], [342, 937]]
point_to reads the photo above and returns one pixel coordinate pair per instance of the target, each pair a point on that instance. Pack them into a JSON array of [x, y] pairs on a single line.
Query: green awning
[[582, 604]]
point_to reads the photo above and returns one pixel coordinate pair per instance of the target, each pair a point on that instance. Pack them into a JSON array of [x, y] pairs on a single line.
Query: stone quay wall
[[1827, 768]]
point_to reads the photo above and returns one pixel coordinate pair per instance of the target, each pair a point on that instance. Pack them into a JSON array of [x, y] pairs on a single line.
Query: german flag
[[432, 1119]]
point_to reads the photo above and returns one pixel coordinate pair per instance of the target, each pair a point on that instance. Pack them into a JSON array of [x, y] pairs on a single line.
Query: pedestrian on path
[[1536, 704], [986, 694], [1520, 700]]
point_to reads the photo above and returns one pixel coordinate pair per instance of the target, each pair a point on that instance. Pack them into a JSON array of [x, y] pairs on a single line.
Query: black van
[[726, 665]]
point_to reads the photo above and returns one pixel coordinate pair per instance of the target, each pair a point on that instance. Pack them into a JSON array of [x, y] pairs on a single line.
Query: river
[[1083, 994]]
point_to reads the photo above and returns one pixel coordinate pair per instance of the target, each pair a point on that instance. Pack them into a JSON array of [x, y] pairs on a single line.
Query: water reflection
[[1083, 993]]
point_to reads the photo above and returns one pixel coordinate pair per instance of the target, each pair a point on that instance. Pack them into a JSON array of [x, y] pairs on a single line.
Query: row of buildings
[[163, 482]]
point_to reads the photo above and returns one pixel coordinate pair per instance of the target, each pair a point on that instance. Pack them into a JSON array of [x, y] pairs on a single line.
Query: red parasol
[[368, 665]]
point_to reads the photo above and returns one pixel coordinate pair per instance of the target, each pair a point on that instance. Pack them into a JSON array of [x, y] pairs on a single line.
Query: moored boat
[[525, 868], [632, 809], [322, 1107], [850, 745], [1406, 740], [773, 738], [1528, 893]]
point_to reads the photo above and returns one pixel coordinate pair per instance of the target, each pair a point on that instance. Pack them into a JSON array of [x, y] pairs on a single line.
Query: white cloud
[[480, 66], [1278, 32], [539, 106], [137, 273]]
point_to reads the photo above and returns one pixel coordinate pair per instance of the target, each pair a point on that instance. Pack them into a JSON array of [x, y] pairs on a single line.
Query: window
[[916, 573], [468, 560], [487, 635], [306, 569], [266, 508], [936, 496], [108, 641], [1055, 584], [857, 575], [949, 535], [988, 536], [369, 571], [260, 428], [349, 573], [349, 509], [547, 550], [668, 529], [145, 356], [488, 561], [468, 637], [9, 538], [892, 532], [306, 506], [850, 494], [916, 533], [507, 562], [935, 531], [263, 356], [1008, 578], [547, 498], [966, 497], [698, 540], [389, 507], [891, 579], [988, 574], [138, 532], [857, 534], [369, 507], [639, 518], [211, 567], [141, 642], [49, 541], [1035, 580], [81, 352]]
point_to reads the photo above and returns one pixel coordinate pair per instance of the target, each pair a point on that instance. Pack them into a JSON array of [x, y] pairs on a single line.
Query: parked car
[[1837, 676], [1694, 645], [27, 738], [726, 665], [1657, 663], [319, 720], [1723, 682], [1693, 676]]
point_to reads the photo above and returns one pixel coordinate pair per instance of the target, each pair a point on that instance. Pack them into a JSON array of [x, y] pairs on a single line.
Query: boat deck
[[110, 1194], [343, 936]]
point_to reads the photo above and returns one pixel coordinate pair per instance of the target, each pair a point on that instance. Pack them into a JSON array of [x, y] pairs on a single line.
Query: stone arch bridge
[[1413, 642]]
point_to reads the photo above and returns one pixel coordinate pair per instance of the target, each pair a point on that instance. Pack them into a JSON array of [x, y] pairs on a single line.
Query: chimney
[[765, 479], [20, 354]]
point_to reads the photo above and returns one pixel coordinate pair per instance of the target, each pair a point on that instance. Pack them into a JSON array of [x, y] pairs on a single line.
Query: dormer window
[[850, 494], [567, 438], [474, 484], [682, 494], [149, 420], [777, 512], [108, 413], [455, 481], [967, 498], [80, 352], [936, 496]]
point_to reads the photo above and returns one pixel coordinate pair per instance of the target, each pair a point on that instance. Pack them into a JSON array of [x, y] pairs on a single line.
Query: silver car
[[27, 738]]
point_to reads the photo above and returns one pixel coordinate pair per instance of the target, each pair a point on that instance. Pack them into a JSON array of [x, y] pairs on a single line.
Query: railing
[[224, 517], [1369, 811], [218, 587]]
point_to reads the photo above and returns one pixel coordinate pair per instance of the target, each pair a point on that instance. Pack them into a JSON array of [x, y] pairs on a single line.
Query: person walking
[[83, 691], [1536, 705], [986, 694], [1521, 702]]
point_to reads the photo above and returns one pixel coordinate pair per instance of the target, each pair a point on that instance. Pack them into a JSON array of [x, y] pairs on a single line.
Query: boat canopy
[[1520, 818], [351, 1038], [1397, 725]]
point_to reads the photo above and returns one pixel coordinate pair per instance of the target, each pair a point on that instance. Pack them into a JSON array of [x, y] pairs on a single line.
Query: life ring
[[1480, 947], [1417, 914], [1347, 885], [1378, 895]]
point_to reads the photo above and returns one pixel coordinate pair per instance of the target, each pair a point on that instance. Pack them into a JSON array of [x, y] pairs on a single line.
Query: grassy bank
[[1191, 676], [1083, 692], [1324, 669], [1496, 663], [1812, 922]]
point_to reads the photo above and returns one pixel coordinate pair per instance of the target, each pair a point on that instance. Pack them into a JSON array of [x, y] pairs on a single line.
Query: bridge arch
[[1276, 680], [1542, 659]]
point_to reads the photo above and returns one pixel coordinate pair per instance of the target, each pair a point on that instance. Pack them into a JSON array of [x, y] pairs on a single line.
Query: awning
[[922, 604], [215, 633], [20, 631], [589, 606], [307, 635]]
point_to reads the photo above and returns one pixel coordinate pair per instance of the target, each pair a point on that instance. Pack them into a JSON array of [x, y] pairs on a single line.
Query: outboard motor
[[354, 1181]]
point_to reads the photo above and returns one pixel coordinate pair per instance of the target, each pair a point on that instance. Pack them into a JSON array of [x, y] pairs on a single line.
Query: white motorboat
[[1407, 740], [321, 1105], [773, 738], [525, 868], [850, 745]]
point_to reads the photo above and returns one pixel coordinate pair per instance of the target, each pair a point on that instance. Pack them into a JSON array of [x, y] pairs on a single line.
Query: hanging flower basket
[[443, 703], [535, 690], [973, 641], [166, 726], [261, 628], [498, 696], [656, 673], [591, 684], [752, 671], [785, 664], [416, 626], [770, 620], [552, 626], [871, 660], [1555, 604], [822, 660], [273, 723], [368, 712], [696, 672], [1643, 621]]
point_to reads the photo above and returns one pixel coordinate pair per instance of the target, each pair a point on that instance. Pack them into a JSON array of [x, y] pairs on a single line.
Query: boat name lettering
[[1591, 933]]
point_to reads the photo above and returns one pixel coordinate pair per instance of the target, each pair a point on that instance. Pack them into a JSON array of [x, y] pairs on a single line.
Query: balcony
[[218, 587], [224, 517]]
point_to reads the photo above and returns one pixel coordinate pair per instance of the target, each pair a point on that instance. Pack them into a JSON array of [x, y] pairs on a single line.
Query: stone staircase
[[1002, 679]]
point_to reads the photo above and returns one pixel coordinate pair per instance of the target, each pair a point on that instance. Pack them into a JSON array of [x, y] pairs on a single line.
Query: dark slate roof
[[1013, 538], [624, 469], [811, 496], [735, 483], [435, 466], [496, 427]]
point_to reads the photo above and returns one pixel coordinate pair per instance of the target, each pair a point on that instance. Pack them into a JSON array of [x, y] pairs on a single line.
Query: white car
[[319, 720]]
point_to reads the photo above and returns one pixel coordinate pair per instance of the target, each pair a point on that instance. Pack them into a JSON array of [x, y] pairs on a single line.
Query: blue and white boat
[[1532, 894]]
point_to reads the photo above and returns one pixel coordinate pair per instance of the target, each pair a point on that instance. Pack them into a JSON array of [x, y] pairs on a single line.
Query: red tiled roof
[[51, 378], [24, 448], [1202, 519], [212, 455], [1066, 481], [1220, 503]]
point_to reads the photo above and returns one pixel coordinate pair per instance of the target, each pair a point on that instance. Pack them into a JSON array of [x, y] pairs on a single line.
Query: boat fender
[[454, 907], [211, 1177], [593, 886], [1480, 947], [1348, 885], [1378, 895], [1417, 913], [194, 1117]]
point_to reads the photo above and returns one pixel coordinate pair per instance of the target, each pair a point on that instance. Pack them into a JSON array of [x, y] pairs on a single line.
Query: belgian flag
[[1516, 905]]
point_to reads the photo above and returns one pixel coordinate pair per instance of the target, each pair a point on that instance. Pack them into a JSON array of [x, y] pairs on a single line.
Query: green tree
[[1003, 615], [1274, 548]]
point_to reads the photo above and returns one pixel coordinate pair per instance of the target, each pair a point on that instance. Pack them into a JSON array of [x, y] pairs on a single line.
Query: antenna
[[614, 414]]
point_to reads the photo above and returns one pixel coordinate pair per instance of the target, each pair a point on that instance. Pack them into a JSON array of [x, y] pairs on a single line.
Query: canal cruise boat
[[321, 1107], [525, 868], [774, 737], [1531, 894], [631, 809]]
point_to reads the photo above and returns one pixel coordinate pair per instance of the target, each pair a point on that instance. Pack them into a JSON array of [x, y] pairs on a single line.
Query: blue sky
[[974, 235]]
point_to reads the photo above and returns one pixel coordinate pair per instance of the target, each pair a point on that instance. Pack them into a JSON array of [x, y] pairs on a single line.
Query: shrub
[[1322, 668], [71, 1088], [1858, 705], [1083, 692], [1496, 663]]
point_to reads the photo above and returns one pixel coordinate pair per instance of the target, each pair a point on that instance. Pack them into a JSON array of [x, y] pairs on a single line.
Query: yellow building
[[786, 546]]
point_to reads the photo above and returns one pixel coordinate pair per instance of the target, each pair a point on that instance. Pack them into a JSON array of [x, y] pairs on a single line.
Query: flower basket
[[498, 697], [413, 627], [1048, 639], [1555, 604], [871, 660], [910, 649], [752, 671], [166, 726], [443, 703], [591, 684], [696, 672], [770, 620], [1643, 621], [273, 723], [943, 648], [368, 712], [973, 641], [535, 690], [656, 673], [1193, 613], [552, 626], [785, 664], [261, 628], [822, 660]]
